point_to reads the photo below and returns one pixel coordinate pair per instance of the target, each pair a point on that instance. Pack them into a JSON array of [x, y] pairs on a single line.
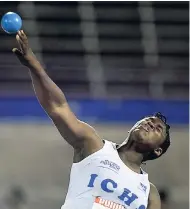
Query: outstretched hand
[[24, 53]]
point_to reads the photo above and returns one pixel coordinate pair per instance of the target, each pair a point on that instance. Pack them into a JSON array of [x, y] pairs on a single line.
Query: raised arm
[[77, 133]]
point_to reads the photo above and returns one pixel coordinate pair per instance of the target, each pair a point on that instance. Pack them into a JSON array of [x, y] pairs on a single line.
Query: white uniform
[[103, 181]]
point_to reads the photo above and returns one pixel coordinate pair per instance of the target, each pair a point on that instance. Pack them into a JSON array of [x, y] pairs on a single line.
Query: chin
[[140, 135]]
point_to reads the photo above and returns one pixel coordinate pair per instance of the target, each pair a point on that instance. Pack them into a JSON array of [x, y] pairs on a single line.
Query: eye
[[159, 127]]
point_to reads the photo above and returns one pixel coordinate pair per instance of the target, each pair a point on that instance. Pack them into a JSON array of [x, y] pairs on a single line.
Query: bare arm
[[154, 198], [77, 133]]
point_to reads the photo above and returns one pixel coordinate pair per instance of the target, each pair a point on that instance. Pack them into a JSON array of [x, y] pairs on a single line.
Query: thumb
[[19, 55], [17, 52]]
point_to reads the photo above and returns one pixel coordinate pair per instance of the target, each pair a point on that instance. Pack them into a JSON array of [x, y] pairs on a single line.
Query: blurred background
[[116, 62]]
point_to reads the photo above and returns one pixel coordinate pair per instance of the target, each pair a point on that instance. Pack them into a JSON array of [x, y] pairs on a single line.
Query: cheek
[[156, 139]]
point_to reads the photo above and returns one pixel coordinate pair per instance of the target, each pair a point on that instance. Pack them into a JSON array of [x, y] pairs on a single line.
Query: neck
[[131, 158]]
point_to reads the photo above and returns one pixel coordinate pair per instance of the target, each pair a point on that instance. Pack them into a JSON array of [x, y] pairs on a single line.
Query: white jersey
[[103, 181]]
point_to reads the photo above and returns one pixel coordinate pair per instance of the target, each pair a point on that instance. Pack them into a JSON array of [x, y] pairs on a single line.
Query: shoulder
[[153, 189], [154, 201]]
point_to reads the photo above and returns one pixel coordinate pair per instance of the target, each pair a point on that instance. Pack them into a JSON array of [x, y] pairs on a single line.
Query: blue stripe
[[99, 110]]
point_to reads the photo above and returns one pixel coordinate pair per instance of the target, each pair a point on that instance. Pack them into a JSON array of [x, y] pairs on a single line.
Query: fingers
[[22, 32], [14, 50], [19, 40], [19, 55], [22, 41], [17, 52], [22, 36]]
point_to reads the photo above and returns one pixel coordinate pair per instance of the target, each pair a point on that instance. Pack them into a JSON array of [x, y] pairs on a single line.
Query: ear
[[158, 151]]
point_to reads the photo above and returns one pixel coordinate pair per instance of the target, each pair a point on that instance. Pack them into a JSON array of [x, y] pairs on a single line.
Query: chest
[[111, 180]]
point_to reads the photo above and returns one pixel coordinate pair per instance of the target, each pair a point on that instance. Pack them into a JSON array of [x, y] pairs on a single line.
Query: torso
[[103, 181]]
